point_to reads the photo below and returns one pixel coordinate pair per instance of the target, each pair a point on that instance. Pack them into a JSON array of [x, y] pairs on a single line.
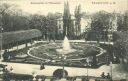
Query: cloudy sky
[[45, 6]]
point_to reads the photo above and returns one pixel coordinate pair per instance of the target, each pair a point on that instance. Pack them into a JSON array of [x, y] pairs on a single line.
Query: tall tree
[[12, 18], [126, 20], [37, 21], [66, 20], [122, 21], [78, 19], [99, 26], [3, 11]]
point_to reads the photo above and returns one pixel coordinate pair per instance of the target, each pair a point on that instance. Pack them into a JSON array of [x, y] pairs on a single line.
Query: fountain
[[66, 44], [66, 48], [71, 52]]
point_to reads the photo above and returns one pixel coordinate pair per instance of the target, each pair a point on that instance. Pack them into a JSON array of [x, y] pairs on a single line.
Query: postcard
[[63, 40]]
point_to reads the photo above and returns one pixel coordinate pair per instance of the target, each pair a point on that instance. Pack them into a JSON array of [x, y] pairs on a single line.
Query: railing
[[17, 77]]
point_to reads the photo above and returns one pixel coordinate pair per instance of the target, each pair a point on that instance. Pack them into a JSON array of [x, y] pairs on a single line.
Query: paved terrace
[[48, 71], [117, 72]]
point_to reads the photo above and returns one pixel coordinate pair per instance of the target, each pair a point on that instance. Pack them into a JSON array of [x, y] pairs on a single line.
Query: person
[[6, 71], [103, 75], [11, 69], [108, 76], [5, 55], [42, 66]]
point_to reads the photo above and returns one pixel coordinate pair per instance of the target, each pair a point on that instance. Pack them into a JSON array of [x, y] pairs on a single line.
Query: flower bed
[[48, 51]]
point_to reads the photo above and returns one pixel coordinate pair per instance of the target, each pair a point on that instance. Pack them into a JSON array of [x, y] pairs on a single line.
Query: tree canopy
[[99, 26]]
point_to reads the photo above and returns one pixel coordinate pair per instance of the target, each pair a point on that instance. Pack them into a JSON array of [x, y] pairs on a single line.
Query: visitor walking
[[103, 75], [42, 66], [108, 76]]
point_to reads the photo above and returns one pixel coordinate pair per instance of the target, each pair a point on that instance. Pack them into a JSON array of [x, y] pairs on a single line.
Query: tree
[[99, 26], [4, 7], [125, 23], [12, 18], [3, 10], [37, 21], [121, 47], [66, 20], [122, 21], [77, 20], [52, 25]]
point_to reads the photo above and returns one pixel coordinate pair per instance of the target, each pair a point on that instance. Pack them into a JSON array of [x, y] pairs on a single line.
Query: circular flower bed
[[48, 51]]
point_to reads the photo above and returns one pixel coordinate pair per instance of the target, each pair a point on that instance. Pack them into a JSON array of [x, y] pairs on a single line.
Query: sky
[[45, 6]]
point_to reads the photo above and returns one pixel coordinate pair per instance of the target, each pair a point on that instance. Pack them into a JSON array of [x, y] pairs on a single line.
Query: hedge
[[17, 36]]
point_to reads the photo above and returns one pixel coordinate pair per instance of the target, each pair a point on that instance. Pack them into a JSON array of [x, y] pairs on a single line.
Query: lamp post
[[109, 41], [63, 67], [111, 69], [1, 36], [87, 71], [63, 58], [87, 67]]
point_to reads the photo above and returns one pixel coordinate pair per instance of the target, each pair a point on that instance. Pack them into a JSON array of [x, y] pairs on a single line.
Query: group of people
[[105, 76], [5, 72], [6, 55]]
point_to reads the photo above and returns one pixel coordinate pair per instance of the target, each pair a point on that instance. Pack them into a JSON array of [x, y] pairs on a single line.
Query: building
[[85, 25], [72, 25]]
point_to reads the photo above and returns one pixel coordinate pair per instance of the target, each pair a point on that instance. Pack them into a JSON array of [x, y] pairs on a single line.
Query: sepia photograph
[[63, 40]]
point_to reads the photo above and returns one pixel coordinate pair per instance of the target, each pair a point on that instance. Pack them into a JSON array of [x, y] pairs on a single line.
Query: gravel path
[[48, 71]]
